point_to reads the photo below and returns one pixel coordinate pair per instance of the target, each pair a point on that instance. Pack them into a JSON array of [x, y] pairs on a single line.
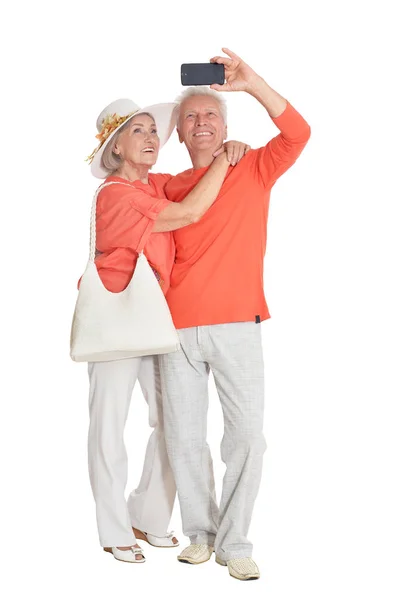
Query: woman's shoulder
[[110, 196], [116, 186], [122, 189]]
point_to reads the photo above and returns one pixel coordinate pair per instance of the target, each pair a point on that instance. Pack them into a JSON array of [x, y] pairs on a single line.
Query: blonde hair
[[202, 90], [111, 161]]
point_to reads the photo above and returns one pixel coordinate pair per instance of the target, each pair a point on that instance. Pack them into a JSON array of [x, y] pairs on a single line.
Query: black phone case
[[202, 74]]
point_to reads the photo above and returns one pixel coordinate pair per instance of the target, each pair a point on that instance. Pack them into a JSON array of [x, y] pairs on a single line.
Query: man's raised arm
[[283, 150]]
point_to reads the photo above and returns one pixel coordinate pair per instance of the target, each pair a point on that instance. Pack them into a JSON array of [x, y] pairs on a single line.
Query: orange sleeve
[[125, 217], [282, 151]]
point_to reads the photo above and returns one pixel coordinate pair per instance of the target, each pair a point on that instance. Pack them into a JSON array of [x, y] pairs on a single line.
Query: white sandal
[[154, 540], [127, 555]]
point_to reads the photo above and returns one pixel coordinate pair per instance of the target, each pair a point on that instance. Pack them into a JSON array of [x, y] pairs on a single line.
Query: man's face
[[201, 126]]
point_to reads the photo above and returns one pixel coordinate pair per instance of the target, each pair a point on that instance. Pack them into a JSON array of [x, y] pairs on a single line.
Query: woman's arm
[[197, 202]]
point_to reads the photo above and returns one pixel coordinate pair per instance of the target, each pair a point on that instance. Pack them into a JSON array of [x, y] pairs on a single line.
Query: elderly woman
[[133, 212]]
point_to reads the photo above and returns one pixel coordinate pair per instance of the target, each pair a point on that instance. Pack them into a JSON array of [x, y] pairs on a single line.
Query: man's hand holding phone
[[239, 76], [223, 74]]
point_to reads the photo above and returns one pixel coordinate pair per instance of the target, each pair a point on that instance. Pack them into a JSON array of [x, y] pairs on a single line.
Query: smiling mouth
[[202, 133], [149, 150]]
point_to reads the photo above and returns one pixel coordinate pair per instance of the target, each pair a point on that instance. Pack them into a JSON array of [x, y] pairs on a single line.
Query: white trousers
[[233, 351], [149, 507]]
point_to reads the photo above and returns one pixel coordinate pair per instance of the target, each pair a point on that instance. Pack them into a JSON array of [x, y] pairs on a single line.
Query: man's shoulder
[[182, 179], [184, 174], [160, 178], [254, 153]]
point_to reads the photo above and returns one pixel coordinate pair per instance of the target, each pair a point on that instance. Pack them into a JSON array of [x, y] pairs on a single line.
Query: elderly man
[[217, 303]]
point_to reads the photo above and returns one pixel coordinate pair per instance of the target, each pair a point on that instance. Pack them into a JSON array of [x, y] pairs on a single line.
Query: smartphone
[[202, 74]]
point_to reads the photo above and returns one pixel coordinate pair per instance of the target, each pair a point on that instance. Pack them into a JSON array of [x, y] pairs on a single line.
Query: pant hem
[[148, 530], [131, 542], [230, 555], [201, 539]]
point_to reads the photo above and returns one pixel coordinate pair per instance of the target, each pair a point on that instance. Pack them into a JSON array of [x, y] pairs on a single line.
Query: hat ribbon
[[109, 124]]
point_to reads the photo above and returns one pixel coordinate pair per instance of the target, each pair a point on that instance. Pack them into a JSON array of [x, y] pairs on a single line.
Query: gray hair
[[202, 90], [111, 161]]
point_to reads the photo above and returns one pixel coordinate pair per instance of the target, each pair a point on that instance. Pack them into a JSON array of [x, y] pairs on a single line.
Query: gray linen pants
[[233, 351]]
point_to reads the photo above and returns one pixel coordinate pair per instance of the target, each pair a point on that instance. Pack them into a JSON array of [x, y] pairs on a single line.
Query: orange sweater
[[218, 272], [126, 215]]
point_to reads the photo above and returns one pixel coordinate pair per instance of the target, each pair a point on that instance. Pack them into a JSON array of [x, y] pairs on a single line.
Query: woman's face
[[139, 143]]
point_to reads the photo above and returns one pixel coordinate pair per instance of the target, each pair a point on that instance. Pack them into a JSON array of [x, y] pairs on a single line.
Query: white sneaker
[[241, 568], [167, 541], [126, 555], [195, 554]]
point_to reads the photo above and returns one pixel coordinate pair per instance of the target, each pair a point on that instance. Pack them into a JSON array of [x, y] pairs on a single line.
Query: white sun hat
[[116, 114]]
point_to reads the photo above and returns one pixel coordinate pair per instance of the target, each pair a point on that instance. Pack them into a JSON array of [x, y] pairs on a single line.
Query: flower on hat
[[109, 124]]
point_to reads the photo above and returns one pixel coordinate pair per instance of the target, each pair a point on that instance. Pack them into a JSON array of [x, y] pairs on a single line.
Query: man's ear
[[180, 137], [225, 133]]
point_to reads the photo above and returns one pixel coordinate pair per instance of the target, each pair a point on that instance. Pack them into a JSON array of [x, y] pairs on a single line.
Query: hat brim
[[165, 120]]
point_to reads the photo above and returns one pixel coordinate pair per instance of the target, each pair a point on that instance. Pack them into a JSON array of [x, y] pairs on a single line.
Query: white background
[[326, 520]]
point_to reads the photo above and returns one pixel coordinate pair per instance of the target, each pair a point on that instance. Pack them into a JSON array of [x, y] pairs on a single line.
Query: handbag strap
[[93, 218]]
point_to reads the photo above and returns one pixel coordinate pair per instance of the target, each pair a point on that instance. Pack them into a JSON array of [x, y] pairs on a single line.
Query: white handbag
[[110, 326]]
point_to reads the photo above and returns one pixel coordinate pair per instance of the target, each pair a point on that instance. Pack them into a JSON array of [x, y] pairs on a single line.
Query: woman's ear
[[116, 150]]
